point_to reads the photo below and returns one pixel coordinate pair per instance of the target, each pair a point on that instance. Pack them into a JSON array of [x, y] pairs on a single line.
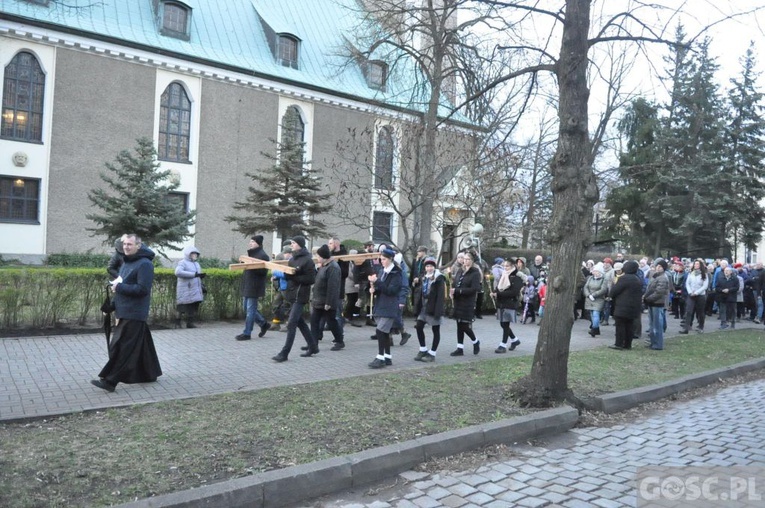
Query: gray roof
[[229, 34]]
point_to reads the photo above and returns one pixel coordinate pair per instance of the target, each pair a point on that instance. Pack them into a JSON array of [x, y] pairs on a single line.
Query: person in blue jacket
[[132, 356], [385, 288]]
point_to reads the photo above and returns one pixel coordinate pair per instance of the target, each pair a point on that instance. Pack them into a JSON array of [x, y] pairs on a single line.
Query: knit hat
[[323, 252], [737, 266], [618, 266], [258, 239], [300, 240], [498, 261], [662, 263], [598, 268], [430, 261], [608, 260], [286, 249], [388, 253]]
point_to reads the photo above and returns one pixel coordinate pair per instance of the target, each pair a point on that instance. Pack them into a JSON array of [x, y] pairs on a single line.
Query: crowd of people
[[374, 291]]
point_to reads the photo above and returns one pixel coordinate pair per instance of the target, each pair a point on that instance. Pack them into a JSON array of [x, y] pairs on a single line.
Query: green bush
[[79, 260], [43, 297]]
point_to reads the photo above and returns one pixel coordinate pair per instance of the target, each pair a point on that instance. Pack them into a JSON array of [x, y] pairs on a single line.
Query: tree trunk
[[574, 194]]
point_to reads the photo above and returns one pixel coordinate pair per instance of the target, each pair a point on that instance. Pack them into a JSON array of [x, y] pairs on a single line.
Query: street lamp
[[476, 230]]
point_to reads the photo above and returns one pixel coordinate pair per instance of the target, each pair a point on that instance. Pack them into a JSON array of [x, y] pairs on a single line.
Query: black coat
[[254, 281], [435, 298], [326, 291], [731, 285], [627, 296], [508, 297], [466, 287], [299, 284]]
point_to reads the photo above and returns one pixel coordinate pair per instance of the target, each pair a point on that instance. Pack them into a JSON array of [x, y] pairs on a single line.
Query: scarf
[[504, 281]]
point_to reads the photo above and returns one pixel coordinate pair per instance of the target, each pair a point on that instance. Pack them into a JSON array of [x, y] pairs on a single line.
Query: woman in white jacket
[[188, 291], [696, 285]]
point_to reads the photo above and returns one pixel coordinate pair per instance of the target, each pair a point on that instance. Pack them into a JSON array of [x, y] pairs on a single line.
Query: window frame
[[14, 86], [383, 176], [165, 21], [377, 237], [182, 197], [23, 199], [166, 111], [371, 74], [294, 42]]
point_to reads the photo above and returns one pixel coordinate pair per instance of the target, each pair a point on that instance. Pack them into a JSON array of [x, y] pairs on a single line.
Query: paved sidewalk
[[44, 376], [597, 467]]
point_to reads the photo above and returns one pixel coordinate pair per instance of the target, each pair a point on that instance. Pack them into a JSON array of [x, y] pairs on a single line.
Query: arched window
[[23, 92], [174, 124], [384, 159], [293, 128]]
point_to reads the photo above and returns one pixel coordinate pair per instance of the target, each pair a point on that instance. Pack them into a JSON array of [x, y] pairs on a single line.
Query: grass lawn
[[116, 456]]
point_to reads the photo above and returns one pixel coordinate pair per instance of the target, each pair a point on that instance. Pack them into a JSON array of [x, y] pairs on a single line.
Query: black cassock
[[132, 357]]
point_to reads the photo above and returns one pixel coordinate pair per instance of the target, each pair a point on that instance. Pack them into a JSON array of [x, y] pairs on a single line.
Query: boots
[[594, 331]]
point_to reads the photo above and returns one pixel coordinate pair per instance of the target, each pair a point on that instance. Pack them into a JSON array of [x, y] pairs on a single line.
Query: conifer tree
[[284, 197], [137, 201], [745, 153]]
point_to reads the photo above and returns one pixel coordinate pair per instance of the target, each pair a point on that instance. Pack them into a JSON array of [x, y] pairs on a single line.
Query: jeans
[[595, 318], [656, 324], [319, 317], [253, 315], [294, 322], [759, 307]]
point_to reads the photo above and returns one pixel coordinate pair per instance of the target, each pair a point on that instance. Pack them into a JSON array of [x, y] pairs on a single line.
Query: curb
[[291, 485], [619, 401]]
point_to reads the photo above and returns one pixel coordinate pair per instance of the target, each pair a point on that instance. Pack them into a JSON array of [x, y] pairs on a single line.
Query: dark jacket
[[326, 290], [627, 293], [132, 296], [299, 284], [345, 268], [657, 291], [254, 281], [466, 288], [432, 292], [387, 291], [730, 284], [508, 297], [115, 263]]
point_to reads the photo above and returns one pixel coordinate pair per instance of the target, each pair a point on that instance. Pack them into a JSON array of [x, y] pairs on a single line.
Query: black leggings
[[506, 332], [464, 328], [383, 343], [420, 327]]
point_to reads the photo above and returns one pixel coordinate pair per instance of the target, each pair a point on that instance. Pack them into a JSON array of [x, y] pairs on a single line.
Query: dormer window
[[176, 19], [287, 51], [376, 74]]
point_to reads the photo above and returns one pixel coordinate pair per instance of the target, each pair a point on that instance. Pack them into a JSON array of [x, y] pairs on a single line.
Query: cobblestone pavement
[[593, 467], [43, 376]]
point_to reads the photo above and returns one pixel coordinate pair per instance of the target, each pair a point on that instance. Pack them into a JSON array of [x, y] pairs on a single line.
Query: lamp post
[[477, 230]]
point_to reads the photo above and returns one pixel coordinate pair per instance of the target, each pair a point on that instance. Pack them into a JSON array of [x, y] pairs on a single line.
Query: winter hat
[[118, 245], [618, 266], [300, 240], [609, 261], [323, 252], [662, 263], [630, 266], [286, 249], [388, 253], [598, 268], [430, 261], [737, 266], [258, 239], [498, 261]]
